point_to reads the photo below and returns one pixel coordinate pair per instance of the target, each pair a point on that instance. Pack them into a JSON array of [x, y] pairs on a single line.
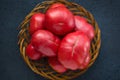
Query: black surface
[[107, 65]]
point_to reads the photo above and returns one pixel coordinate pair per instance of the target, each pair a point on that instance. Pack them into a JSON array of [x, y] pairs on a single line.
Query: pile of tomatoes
[[63, 38]]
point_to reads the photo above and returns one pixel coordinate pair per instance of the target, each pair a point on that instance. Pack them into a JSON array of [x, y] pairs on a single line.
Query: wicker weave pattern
[[42, 67]]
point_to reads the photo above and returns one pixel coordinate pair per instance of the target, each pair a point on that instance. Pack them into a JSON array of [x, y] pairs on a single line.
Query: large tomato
[[59, 20], [37, 22], [45, 42], [73, 50]]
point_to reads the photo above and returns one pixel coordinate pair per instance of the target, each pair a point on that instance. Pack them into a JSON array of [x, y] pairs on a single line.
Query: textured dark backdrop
[[107, 65]]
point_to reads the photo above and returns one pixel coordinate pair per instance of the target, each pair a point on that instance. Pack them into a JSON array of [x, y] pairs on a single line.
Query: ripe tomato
[[59, 20], [45, 42], [57, 5], [82, 25], [72, 50], [56, 65], [32, 53], [36, 22]]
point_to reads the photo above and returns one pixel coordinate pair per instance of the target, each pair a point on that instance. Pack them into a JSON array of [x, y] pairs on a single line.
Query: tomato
[[59, 20], [32, 53], [56, 65], [45, 42], [82, 25], [73, 50], [57, 5], [36, 22]]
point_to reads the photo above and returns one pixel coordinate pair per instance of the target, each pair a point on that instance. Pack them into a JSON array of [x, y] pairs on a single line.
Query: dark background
[[106, 13]]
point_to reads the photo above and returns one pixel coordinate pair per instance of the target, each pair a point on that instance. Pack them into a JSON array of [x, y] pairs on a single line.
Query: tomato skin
[[56, 65], [59, 21], [82, 25], [57, 5], [73, 50], [36, 22], [32, 53], [86, 62], [45, 42]]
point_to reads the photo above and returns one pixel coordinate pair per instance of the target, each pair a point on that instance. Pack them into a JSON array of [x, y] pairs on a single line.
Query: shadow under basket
[[42, 67]]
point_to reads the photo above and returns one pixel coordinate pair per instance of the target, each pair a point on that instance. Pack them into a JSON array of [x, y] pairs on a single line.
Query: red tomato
[[72, 50], [82, 25], [59, 20], [32, 53], [57, 5], [45, 42], [56, 65], [36, 22]]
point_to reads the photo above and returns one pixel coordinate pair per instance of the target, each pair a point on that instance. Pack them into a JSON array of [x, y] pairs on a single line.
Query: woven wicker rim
[[42, 67]]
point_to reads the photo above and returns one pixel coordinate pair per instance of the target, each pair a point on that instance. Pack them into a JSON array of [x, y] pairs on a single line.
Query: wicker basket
[[42, 67]]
